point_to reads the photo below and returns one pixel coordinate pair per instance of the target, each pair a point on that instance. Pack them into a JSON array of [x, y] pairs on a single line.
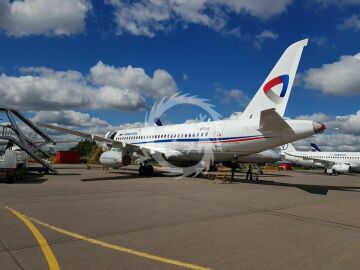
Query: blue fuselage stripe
[[194, 139]]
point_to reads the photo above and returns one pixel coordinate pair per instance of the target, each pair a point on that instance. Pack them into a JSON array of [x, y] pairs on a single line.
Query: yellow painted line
[[116, 247], [49, 255]]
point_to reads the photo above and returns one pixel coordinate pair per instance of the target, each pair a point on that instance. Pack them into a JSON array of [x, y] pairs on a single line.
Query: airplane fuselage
[[320, 159], [225, 139]]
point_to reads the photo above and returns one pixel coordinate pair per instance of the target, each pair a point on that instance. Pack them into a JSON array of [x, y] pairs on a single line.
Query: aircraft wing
[[76, 133], [117, 144], [324, 162]]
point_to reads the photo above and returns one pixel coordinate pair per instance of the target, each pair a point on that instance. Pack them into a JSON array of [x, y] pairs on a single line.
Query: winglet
[[157, 122]]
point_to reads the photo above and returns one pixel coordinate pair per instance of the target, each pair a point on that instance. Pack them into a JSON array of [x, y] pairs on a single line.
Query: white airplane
[[337, 162], [267, 156], [260, 127]]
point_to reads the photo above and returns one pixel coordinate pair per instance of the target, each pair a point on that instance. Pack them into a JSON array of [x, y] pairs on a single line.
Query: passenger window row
[[166, 136]]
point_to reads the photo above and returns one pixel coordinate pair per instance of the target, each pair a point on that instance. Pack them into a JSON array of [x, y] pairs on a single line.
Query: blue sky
[[228, 46]]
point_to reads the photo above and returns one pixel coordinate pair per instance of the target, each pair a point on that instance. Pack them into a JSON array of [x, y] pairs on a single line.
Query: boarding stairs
[[11, 132]]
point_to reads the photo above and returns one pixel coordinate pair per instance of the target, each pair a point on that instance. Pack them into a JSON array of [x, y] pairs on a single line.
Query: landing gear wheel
[[11, 180], [141, 170], [149, 170]]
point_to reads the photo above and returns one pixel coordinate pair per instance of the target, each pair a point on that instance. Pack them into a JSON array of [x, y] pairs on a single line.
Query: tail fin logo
[[284, 147], [268, 88], [314, 148]]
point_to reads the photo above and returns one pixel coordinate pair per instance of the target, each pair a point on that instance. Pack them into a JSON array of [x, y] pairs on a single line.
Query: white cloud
[[350, 23], [106, 87], [264, 35], [147, 17], [349, 124], [319, 117], [331, 142], [185, 77], [233, 95], [340, 3], [321, 41], [49, 17], [236, 32], [338, 78], [68, 118], [342, 133], [161, 84], [257, 8], [235, 116]]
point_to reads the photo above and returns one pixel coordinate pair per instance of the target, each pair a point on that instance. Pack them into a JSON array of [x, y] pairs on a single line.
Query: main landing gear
[[146, 170]]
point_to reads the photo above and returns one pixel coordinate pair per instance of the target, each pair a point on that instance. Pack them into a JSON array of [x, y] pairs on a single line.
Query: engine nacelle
[[341, 168], [114, 159]]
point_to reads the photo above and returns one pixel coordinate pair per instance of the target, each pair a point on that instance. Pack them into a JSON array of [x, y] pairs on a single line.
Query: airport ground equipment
[[12, 133], [222, 175], [13, 164], [271, 168], [94, 157]]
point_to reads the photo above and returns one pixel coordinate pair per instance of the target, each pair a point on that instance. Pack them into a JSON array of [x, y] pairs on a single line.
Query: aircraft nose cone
[[318, 127]]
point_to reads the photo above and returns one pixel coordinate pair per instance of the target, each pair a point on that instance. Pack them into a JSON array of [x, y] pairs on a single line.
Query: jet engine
[[114, 159], [341, 168]]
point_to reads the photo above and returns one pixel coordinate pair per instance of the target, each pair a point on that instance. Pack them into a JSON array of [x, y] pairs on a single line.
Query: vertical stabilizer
[[276, 89], [314, 147], [288, 148]]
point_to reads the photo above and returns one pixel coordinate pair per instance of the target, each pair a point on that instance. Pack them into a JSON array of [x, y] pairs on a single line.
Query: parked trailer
[[13, 164]]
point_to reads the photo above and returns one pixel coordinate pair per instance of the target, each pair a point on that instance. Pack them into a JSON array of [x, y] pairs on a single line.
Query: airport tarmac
[[94, 219]]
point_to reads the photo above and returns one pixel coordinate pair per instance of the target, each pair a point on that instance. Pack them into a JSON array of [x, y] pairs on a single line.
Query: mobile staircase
[[14, 134]]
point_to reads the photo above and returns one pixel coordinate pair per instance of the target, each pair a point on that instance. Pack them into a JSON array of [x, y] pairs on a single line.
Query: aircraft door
[[218, 135]]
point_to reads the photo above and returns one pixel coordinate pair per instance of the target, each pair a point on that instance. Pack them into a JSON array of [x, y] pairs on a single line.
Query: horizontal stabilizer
[[270, 120]]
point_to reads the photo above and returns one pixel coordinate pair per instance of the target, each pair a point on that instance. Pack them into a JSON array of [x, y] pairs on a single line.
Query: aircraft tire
[[141, 170], [149, 170]]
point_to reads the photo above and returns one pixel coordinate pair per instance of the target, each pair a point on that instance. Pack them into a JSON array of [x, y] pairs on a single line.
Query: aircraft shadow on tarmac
[[314, 189], [121, 176], [130, 173], [29, 178]]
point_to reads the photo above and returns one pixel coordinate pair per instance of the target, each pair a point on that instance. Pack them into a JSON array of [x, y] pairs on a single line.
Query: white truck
[[13, 164]]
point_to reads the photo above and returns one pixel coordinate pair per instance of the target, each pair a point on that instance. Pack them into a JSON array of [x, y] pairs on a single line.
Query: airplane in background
[[337, 162], [260, 127]]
